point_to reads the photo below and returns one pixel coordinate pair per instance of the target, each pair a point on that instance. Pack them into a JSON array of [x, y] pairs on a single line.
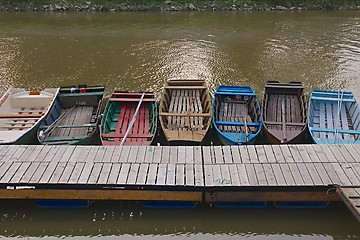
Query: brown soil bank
[[176, 5]]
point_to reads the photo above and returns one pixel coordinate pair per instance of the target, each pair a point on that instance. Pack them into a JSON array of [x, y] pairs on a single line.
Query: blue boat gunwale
[[236, 91]]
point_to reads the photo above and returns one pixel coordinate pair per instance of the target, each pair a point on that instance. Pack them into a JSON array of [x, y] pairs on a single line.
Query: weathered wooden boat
[[185, 111], [130, 118], [284, 112], [236, 115], [21, 112], [334, 117], [73, 119]]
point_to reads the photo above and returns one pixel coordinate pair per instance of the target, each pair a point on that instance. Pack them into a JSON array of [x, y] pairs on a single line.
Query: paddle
[[51, 127], [132, 120]]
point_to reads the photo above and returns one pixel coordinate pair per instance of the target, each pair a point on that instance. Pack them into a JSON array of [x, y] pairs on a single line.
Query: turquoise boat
[[334, 117], [73, 119], [236, 115]]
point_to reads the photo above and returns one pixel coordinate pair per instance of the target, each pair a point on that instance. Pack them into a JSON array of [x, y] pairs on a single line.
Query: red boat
[[129, 119]]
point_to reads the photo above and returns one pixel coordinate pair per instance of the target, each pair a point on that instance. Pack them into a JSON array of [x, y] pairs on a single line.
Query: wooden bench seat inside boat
[[185, 110]]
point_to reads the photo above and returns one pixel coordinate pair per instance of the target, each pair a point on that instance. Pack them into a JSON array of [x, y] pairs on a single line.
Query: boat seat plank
[[131, 100], [250, 124], [130, 135], [185, 87], [327, 130], [21, 115], [294, 124], [331, 99]]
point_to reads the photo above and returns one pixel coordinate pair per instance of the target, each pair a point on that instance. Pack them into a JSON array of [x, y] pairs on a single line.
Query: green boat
[[129, 119], [74, 117]]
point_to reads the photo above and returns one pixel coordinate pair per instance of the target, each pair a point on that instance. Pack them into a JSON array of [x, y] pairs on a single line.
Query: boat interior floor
[[185, 102]]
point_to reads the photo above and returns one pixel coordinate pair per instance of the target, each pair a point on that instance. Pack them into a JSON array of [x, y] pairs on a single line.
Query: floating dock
[[208, 174]]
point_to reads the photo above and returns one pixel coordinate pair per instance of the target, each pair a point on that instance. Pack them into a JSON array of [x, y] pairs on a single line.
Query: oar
[[51, 127], [132, 120]]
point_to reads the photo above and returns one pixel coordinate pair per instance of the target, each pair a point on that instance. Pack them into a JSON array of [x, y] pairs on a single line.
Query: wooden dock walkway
[[181, 173]]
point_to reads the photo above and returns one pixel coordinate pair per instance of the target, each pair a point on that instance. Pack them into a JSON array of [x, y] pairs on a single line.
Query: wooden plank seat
[[332, 99], [249, 124], [130, 135], [21, 115], [327, 130], [123, 94], [131, 100], [176, 114], [71, 126], [185, 87], [293, 124]]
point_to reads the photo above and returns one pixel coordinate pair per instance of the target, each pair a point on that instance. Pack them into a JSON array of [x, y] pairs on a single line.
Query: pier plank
[[287, 154], [133, 173], [65, 176], [171, 174], [198, 155], [299, 181], [345, 153], [217, 175], [225, 175], [149, 154], [250, 171], [260, 174], [206, 152], [227, 156], [124, 173], [295, 153], [352, 151], [209, 179], [314, 174], [25, 178], [20, 172], [279, 177], [59, 169], [161, 176], [287, 173], [165, 154], [351, 174], [305, 174], [278, 154], [125, 152], [244, 154], [190, 176], [303, 153], [334, 178], [114, 173], [260, 150], [95, 173], [199, 179], [328, 153], [218, 153], [75, 175], [35, 153], [10, 172], [108, 154], [189, 155], [344, 180], [143, 172], [105, 172], [312, 154], [234, 175], [269, 174], [40, 170], [235, 154], [7, 156], [45, 178], [269, 154], [100, 154], [173, 155], [243, 176], [252, 154], [157, 155], [85, 173], [15, 155], [180, 174], [181, 154], [92, 154]]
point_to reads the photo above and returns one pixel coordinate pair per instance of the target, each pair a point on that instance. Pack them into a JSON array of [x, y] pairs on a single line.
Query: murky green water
[[139, 51]]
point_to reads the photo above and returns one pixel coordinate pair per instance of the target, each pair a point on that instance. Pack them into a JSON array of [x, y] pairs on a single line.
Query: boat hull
[[333, 117], [130, 118], [185, 112], [73, 120], [236, 115], [21, 112], [284, 112]]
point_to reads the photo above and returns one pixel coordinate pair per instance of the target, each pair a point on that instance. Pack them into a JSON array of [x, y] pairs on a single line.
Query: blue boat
[[334, 117], [236, 115]]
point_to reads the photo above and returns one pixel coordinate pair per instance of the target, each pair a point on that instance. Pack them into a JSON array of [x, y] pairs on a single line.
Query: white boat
[[21, 112]]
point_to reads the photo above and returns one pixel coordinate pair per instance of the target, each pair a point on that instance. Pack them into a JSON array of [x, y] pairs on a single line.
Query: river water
[[140, 51]]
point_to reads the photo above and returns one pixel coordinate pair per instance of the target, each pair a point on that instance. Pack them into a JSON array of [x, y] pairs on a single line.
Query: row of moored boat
[[71, 115]]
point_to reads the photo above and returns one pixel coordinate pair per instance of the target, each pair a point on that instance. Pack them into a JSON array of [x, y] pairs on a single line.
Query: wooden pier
[[206, 174]]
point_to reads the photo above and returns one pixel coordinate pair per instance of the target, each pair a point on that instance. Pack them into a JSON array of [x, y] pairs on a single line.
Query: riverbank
[[176, 5]]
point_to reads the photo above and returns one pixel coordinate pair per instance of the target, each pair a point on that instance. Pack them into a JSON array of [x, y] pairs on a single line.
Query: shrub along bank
[[176, 5]]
